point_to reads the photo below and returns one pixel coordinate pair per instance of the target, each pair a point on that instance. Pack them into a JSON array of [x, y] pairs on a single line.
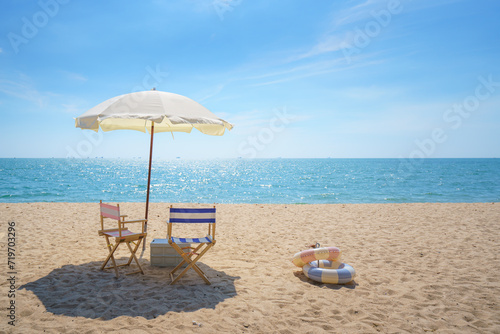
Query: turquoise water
[[252, 181]]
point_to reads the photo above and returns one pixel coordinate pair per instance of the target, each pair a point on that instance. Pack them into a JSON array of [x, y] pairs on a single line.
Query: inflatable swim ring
[[323, 265], [300, 259], [334, 272]]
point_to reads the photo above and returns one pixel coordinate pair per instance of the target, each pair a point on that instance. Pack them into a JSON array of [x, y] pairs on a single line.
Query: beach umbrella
[[152, 111]]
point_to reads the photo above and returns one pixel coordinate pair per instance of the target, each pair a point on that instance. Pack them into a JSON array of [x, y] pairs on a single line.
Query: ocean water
[[280, 181]]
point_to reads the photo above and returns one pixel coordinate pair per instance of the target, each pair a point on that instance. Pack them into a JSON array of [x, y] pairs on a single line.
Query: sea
[[273, 181]]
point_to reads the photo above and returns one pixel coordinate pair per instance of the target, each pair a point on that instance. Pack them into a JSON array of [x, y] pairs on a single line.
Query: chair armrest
[[134, 221]]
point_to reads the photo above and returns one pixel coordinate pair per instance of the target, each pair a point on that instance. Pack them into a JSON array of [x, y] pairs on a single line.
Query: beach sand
[[420, 268]]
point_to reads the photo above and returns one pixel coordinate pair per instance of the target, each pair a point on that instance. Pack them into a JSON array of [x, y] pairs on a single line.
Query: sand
[[420, 268]]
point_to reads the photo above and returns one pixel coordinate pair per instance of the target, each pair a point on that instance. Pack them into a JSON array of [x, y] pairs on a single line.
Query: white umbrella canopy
[[152, 111], [137, 111]]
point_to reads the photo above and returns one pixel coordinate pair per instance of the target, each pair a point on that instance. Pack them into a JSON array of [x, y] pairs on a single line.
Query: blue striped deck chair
[[193, 254], [121, 234]]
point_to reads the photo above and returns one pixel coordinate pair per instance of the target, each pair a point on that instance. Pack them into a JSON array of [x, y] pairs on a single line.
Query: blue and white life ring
[[334, 272]]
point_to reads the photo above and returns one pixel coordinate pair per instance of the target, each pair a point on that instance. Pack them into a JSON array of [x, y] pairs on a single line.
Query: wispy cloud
[[213, 92], [356, 13], [251, 122], [341, 29], [327, 44], [283, 73], [317, 67], [344, 23], [370, 92], [69, 104], [322, 57], [71, 108], [326, 55], [23, 89], [75, 76], [363, 10]]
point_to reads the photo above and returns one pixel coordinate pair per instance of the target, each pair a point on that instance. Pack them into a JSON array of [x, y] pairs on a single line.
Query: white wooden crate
[[163, 255]]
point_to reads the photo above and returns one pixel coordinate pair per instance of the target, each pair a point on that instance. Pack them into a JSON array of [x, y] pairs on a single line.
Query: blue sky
[[341, 79]]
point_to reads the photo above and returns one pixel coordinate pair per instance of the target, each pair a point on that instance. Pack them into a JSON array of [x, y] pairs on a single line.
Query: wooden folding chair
[[122, 235], [191, 215]]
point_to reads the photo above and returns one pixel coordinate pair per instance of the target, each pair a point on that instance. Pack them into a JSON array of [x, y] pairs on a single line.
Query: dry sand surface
[[420, 268]]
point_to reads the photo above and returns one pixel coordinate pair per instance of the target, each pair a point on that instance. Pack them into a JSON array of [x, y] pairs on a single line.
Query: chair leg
[[184, 260], [111, 256], [201, 273], [191, 263], [196, 268], [135, 258], [135, 250]]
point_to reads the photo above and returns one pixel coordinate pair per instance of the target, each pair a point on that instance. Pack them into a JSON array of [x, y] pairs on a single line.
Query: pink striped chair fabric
[[110, 211]]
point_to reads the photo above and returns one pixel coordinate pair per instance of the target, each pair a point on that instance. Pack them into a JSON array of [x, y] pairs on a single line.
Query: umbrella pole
[[149, 181]]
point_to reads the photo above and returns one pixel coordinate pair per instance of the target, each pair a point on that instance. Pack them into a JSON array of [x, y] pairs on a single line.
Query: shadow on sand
[[351, 285], [85, 291]]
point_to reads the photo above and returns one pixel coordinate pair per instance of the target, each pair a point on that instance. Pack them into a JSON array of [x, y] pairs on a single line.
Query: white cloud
[[341, 29], [78, 77], [23, 89], [316, 68], [344, 23], [251, 122], [328, 44], [357, 13], [211, 93], [75, 76], [369, 93], [71, 108], [68, 104]]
